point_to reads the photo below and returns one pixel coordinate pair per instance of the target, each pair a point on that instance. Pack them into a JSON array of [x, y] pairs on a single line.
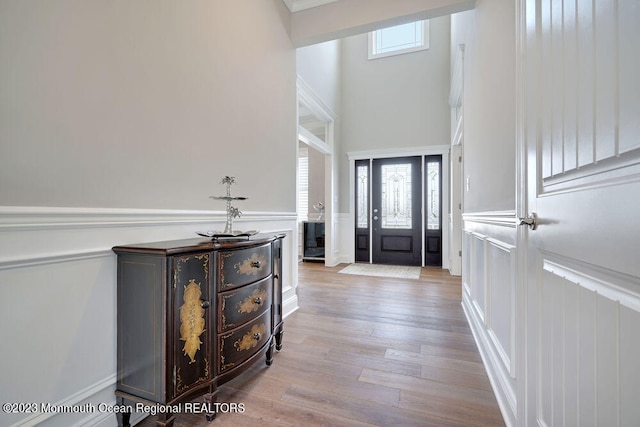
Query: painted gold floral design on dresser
[[238, 268], [241, 343], [253, 302], [191, 320], [251, 266], [180, 386], [251, 338]]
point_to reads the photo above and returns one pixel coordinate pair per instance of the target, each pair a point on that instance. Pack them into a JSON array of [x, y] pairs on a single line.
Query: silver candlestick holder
[[232, 212]]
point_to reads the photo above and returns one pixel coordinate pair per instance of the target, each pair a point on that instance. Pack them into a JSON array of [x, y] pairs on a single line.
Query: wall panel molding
[[57, 263], [497, 218], [489, 288], [32, 218], [588, 362], [85, 396], [38, 260], [44, 235]]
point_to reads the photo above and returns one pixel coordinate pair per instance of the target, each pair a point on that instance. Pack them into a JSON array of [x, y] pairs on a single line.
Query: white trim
[[74, 400], [289, 306], [424, 46], [18, 218], [507, 355], [57, 258], [426, 150], [615, 286], [457, 78], [298, 5], [313, 141], [309, 99], [523, 406], [504, 392], [497, 218], [458, 132]]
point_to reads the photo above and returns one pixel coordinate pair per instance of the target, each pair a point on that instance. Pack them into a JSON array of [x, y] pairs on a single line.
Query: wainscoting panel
[[588, 371], [58, 299], [478, 272], [489, 282], [501, 300]]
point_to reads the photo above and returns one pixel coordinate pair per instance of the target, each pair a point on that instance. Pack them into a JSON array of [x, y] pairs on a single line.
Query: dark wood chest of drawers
[[193, 314]]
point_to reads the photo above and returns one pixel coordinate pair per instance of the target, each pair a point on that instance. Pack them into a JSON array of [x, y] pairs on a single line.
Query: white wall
[[117, 122], [489, 236]]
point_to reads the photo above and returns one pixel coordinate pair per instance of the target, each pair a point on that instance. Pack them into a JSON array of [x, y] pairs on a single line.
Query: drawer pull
[[258, 300], [256, 336], [255, 264], [205, 304]]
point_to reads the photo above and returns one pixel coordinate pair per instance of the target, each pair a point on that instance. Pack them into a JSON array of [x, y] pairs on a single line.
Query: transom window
[[404, 38]]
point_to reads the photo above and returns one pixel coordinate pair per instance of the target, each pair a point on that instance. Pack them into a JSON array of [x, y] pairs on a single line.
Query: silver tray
[[220, 234]]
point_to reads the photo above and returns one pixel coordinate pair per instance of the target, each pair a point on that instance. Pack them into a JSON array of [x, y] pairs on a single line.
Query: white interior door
[[580, 126]]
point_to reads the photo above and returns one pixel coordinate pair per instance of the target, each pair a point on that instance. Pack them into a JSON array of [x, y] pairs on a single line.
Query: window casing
[[405, 38], [303, 184]]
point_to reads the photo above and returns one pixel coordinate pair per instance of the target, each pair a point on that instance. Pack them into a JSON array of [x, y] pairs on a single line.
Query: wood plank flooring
[[366, 351]]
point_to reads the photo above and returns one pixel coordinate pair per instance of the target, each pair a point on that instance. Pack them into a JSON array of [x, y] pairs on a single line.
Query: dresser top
[[170, 247]]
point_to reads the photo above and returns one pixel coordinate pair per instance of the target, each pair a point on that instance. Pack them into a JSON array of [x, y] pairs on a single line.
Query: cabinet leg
[[270, 352], [165, 420], [123, 417], [210, 399], [279, 335]]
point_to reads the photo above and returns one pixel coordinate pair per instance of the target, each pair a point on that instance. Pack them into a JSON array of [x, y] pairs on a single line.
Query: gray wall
[[395, 102], [490, 273], [488, 33], [146, 104], [117, 121], [319, 66]]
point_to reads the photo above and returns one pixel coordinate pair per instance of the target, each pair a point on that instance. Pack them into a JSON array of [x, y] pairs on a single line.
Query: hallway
[[367, 351]]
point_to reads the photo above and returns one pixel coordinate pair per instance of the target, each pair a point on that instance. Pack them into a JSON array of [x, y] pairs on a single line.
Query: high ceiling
[[298, 5]]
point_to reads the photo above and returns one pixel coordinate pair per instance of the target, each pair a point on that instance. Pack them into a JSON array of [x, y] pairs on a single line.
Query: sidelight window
[[362, 195], [433, 195]]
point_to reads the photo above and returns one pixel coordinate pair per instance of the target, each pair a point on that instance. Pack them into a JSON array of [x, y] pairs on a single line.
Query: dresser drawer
[[238, 345], [241, 305], [239, 267]]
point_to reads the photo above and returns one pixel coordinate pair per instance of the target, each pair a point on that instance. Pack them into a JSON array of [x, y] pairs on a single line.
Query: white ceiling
[[298, 5]]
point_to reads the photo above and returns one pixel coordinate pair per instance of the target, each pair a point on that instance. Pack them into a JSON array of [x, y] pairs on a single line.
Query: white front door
[[580, 141]]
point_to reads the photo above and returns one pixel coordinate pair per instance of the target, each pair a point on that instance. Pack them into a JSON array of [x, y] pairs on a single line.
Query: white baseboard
[[289, 306], [504, 392], [93, 401]]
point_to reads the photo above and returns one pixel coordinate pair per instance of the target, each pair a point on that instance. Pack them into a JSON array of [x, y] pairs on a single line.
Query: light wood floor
[[366, 351]]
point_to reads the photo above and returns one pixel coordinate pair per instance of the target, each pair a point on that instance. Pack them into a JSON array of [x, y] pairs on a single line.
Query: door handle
[[531, 221], [375, 217]]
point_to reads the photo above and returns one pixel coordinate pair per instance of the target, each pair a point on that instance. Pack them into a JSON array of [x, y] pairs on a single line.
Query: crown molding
[[298, 5]]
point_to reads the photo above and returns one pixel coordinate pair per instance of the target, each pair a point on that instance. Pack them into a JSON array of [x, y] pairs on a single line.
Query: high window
[[404, 38]]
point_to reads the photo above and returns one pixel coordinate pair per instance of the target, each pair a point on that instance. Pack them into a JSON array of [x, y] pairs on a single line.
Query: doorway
[[395, 208], [398, 210]]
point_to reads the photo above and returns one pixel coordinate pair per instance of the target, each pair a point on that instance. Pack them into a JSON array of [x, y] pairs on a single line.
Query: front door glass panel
[[396, 196]]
